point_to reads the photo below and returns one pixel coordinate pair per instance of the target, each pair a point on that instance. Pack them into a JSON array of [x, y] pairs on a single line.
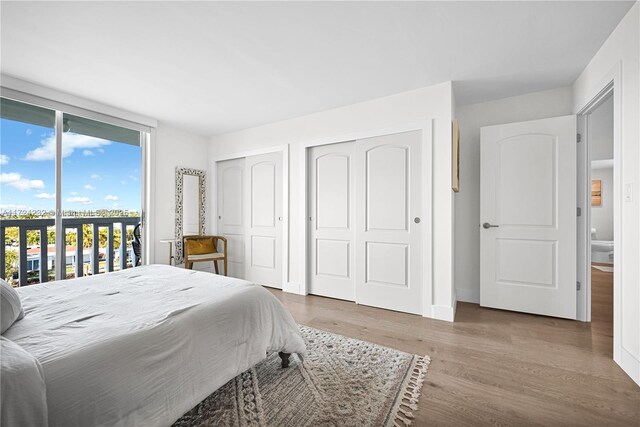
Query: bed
[[138, 347]]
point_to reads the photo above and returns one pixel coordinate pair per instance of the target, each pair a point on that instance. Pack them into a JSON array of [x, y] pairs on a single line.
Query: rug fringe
[[402, 414]]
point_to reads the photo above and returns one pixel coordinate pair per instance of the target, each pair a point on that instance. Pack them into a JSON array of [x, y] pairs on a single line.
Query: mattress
[[142, 346]]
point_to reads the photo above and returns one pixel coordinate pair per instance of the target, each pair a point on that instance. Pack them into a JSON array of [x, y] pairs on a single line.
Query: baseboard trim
[[293, 288], [629, 364], [468, 295], [444, 312]]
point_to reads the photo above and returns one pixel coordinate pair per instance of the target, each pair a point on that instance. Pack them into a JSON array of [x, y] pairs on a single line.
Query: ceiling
[[216, 67]]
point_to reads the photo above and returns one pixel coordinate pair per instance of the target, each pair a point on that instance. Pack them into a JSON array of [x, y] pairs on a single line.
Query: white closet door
[[388, 223], [331, 220], [231, 218], [263, 198]]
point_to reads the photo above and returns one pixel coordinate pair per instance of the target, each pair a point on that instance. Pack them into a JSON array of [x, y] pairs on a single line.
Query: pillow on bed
[[10, 306], [24, 393]]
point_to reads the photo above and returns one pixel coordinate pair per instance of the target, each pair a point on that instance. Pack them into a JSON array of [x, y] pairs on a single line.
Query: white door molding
[[426, 128], [621, 355]]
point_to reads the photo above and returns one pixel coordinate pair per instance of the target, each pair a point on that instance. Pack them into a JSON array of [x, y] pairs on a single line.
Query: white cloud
[[73, 193], [89, 187], [45, 196], [29, 132], [71, 142], [9, 177], [95, 176], [4, 159], [133, 178], [111, 197], [16, 180], [79, 199], [100, 150], [87, 153]]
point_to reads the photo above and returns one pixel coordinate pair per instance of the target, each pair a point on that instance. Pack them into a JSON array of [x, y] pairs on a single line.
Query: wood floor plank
[[494, 367]]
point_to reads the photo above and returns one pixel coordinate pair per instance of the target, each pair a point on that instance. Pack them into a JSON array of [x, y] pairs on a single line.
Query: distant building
[[33, 256]]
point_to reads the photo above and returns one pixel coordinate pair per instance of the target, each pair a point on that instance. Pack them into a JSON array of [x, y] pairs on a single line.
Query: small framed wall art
[[596, 192]]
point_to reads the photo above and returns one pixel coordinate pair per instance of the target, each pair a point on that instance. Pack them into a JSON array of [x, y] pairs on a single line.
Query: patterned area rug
[[341, 382]]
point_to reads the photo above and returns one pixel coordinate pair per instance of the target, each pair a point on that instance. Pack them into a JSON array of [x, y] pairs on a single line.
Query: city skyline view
[[97, 174]]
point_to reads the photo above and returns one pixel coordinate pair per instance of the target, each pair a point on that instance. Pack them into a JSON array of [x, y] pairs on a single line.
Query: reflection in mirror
[[190, 205], [190, 202]]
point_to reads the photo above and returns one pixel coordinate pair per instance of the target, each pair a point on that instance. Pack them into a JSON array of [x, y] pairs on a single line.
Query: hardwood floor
[[495, 367], [602, 306]]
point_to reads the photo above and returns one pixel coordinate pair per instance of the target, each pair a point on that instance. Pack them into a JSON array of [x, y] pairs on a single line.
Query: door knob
[[487, 225], [416, 220]]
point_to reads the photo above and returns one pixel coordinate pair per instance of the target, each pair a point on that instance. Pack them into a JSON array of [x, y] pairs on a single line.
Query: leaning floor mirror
[[190, 203]]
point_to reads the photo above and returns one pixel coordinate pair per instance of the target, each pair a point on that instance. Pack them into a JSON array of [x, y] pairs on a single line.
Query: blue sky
[[96, 173]]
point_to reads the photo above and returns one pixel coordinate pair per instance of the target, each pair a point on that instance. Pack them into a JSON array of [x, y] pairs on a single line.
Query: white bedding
[[143, 346]]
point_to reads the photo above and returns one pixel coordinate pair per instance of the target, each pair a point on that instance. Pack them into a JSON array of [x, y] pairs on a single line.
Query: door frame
[[426, 127], [213, 190], [610, 84]]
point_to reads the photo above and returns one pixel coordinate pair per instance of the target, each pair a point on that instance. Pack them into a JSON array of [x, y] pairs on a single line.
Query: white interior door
[[231, 218], [528, 217], [388, 224], [263, 199], [331, 220]]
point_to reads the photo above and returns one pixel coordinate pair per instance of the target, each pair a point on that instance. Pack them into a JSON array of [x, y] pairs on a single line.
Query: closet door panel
[[331, 233], [263, 216], [388, 223], [231, 222]]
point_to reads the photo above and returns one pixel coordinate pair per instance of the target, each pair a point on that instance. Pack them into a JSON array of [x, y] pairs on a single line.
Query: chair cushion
[[203, 257], [10, 307], [200, 246]]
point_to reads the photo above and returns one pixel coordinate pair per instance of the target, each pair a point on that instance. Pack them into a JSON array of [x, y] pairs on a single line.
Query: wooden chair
[[204, 248]]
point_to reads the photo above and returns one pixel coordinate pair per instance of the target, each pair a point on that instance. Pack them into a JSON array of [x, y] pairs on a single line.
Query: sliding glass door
[[93, 202], [27, 193]]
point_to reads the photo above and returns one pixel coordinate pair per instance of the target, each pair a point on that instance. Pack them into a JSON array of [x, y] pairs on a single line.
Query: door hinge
[[578, 285], [579, 138], [579, 213]]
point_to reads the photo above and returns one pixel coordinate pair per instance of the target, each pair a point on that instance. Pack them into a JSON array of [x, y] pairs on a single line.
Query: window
[[97, 192]]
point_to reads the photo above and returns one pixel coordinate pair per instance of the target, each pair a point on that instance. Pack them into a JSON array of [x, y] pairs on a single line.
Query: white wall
[[619, 58], [602, 216], [172, 147], [434, 102], [539, 105], [601, 131]]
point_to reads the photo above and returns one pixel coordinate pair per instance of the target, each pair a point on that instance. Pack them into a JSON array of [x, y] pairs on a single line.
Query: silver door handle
[[487, 225]]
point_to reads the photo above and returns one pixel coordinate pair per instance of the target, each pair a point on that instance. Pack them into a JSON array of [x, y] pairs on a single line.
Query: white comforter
[[143, 346]]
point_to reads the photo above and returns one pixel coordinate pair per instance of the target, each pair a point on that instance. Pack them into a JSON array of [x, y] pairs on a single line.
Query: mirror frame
[[180, 173]]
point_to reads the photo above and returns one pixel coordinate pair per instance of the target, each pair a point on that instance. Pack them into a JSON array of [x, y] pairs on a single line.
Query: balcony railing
[[42, 225]]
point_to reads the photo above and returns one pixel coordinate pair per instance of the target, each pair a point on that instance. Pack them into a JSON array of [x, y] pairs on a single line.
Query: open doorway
[[597, 126]]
